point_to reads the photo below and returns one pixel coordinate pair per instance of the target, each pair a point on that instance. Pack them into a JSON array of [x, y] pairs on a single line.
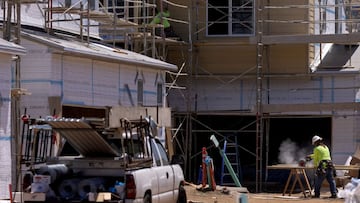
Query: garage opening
[[82, 111], [289, 141], [294, 131]]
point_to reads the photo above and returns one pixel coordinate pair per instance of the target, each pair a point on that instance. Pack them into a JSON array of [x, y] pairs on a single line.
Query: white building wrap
[[5, 131]]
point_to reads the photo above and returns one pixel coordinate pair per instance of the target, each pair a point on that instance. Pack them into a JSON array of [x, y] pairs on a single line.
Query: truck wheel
[[182, 195], [147, 198]]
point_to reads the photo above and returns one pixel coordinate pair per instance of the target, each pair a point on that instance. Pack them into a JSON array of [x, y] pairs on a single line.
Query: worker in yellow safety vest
[[324, 166]]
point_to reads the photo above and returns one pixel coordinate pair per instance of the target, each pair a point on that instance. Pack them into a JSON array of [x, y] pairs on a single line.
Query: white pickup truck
[[128, 162]]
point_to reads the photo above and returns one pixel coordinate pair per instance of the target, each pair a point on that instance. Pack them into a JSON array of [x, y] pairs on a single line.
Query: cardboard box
[[342, 181], [99, 197], [103, 196], [42, 179], [29, 197], [355, 160], [39, 187]]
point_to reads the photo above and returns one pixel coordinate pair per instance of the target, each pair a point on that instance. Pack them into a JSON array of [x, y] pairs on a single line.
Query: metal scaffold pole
[[259, 77], [12, 30]]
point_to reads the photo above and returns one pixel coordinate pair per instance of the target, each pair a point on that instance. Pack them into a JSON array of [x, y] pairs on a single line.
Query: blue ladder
[[231, 150]]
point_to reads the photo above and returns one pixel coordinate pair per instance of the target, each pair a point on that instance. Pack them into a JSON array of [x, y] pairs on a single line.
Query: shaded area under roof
[[340, 58], [338, 55]]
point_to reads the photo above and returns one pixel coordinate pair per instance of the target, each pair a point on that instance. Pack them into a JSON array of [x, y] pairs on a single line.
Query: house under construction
[[263, 72], [251, 72]]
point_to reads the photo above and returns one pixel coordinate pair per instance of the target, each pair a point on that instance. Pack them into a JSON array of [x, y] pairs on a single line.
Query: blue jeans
[[319, 179]]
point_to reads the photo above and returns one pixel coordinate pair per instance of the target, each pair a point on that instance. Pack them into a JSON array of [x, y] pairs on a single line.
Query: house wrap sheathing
[[304, 74], [8, 50], [87, 74], [58, 71]]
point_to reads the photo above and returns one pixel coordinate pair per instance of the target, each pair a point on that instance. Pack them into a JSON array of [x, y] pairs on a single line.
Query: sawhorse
[[296, 173]]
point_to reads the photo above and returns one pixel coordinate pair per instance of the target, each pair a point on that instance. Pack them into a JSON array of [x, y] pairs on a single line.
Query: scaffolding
[[127, 22], [121, 23], [275, 25], [11, 29]]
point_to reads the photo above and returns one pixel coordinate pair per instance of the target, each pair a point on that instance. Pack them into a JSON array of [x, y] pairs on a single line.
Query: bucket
[[241, 198]]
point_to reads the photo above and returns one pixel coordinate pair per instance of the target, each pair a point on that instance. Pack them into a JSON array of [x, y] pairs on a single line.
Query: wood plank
[[169, 142], [352, 38], [276, 108], [296, 166]]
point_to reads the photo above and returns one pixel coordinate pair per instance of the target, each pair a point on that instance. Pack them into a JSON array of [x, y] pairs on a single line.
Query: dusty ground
[[195, 195]]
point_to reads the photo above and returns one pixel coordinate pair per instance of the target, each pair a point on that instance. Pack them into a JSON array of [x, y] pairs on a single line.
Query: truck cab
[[158, 182]]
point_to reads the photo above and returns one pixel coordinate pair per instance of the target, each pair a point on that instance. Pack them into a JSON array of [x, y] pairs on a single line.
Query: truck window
[[155, 153], [162, 153], [133, 147]]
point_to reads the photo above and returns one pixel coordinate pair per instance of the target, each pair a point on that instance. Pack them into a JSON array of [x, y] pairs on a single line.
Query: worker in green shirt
[[161, 18], [324, 166]]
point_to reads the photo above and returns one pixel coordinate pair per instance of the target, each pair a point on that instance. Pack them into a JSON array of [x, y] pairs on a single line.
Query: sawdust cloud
[[290, 152]]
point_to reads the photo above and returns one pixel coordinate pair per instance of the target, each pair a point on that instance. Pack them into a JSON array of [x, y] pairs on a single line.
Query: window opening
[[231, 17]]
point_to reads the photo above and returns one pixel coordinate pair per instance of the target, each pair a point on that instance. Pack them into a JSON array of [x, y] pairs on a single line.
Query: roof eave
[[71, 51], [14, 50], [161, 66]]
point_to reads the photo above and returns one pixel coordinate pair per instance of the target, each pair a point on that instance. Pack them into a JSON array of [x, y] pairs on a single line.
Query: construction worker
[[161, 18], [324, 166]]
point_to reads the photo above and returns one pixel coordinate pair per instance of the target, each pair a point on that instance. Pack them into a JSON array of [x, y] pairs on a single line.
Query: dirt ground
[[235, 194]]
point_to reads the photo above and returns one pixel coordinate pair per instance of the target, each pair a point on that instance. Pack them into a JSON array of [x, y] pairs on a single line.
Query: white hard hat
[[315, 139]]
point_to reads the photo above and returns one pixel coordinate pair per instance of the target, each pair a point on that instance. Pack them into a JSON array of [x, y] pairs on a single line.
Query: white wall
[[77, 81], [81, 81], [106, 83], [241, 94], [344, 143], [36, 77], [322, 89], [129, 77], [5, 124]]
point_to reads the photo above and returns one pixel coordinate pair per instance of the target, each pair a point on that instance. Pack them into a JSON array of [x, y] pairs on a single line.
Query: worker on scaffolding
[[162, 18]]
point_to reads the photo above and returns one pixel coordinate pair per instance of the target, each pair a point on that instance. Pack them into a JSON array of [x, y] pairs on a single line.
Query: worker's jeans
[[319, 179]]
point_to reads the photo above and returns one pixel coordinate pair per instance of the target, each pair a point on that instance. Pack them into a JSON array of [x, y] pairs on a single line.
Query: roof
[[11, 48], [97, 51]]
